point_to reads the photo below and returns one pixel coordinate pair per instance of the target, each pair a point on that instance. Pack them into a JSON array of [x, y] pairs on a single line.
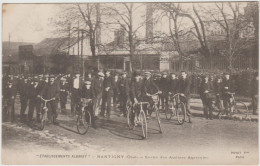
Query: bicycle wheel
[[130, 118], [240, 108], [83, 122], [143, 121], [43, 117], [181, 113], [169, 112], [158, 118]]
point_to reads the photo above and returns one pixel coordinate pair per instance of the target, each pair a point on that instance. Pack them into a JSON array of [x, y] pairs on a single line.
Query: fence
[[218, 63]]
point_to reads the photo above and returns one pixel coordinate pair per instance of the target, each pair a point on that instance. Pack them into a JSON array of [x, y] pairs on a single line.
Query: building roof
[[51, 46]]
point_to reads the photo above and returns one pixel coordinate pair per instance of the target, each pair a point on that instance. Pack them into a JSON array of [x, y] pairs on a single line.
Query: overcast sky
[[27, 22], [31, 22]]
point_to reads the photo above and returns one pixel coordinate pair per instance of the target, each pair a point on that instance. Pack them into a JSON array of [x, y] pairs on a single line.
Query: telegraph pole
[[69, 39], [78, 38], [82, 60], [9, 45]]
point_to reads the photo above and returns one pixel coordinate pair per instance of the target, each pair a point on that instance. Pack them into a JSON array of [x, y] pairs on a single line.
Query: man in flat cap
[[98, 87], [9, 93], [75, 86], [87, 92], [115, 90], [64, 91], [183, 87], [23, 89], [51, 91], [205, 89], [149, 88], [164, 87], [227, 87], [107, 95], [34, 101], [123, 93], [254, 93]]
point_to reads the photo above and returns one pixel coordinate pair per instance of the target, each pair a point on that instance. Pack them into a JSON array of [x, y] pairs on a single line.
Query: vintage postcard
[[130, 83]]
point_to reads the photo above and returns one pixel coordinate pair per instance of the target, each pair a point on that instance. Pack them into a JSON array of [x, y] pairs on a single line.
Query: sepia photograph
[[130, 83]]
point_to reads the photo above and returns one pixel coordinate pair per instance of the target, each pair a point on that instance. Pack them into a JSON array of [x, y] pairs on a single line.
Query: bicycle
[[83, 116], [138, 117], [44, 113], [218, 107], [236, 107], [176, 108]]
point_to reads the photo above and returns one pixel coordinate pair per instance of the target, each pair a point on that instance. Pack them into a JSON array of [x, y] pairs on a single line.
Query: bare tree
[[174, 12], [229, 17], [84, 18], [123, 14]]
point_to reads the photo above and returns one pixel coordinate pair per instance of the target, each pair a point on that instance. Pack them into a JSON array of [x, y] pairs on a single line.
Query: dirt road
[[201, 142]]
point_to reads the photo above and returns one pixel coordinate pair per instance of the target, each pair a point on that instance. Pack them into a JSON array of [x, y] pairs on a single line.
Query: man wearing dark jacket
[[227, 87], [98, 88], [183, 88], [149, 88], [64, 90], [107, 95], [123, 93], [23, 89], [9, 93], [165, 90], [34, 101], [136, 88], [172, 84], [205, 89], [115, 90], [87, 92], [51, 91], [254, 93], [75, 86]]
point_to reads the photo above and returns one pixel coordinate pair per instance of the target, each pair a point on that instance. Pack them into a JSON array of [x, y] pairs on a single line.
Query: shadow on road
[[119, 129], [67, 125]]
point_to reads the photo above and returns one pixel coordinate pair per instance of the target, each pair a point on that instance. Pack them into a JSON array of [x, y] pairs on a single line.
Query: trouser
[[52, 109], [115, 99], [74, 100], [151, 104], [123, 102], [186, 101], [254, 103], [9, 108], [106, 103], [97, 103], [24, 101], [207, 107], [34, 104], [63, 101], [91, 111], [227, 103], [164, 99]]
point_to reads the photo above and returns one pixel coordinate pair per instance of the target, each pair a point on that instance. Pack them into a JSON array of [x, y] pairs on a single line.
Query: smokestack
[[149, 22], [121, 36]]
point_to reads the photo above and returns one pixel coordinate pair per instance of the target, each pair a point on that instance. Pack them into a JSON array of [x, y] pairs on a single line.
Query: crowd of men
[[107, 89]]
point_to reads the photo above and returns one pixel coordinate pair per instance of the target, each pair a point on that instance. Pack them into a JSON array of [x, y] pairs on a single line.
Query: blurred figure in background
[[254, 94]]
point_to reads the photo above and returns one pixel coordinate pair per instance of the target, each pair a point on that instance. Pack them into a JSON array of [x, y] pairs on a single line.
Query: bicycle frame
[[141, 106], [84, 103], [45, 108]]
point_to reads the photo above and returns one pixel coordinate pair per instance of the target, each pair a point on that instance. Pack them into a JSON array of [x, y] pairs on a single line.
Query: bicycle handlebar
[[178, 94], [84, 99], [46, 100], [141, 103], [150, 95]]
